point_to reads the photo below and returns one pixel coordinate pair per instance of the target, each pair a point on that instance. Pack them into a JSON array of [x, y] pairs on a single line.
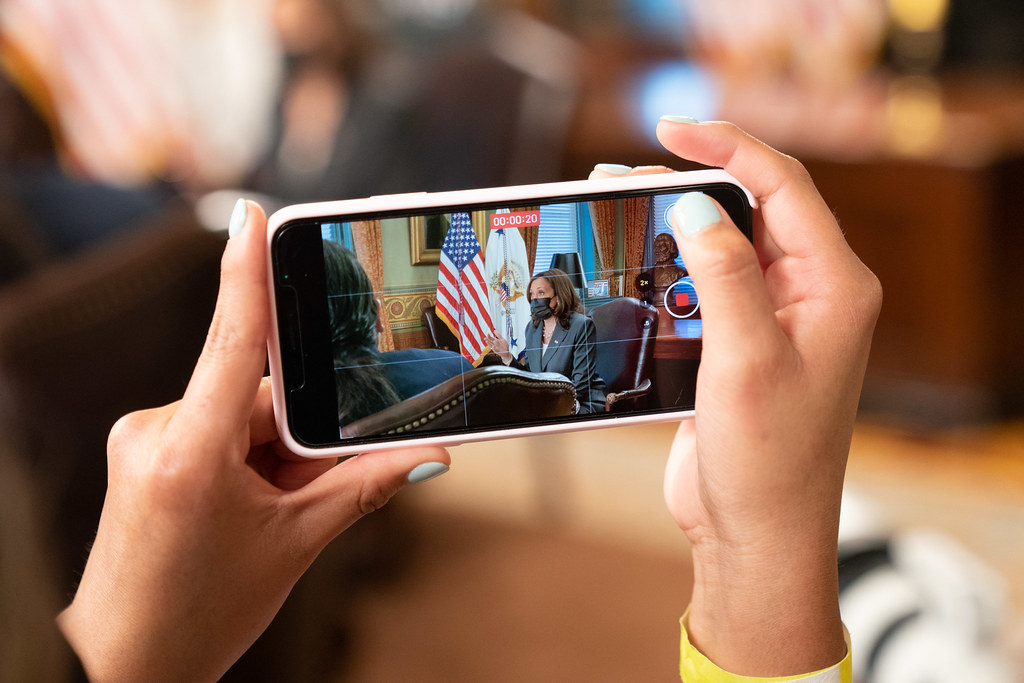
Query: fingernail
[[427, 471], [238, 216], [679, 119], [614, 169], [694, 212]]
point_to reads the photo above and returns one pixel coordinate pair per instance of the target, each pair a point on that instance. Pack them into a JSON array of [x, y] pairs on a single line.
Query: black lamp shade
[[570, 264]]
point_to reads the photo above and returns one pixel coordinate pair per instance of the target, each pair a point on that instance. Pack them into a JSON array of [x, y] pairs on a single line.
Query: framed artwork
[[427, 233]]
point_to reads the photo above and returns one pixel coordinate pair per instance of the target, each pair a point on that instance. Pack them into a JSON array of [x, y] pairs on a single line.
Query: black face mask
[[541, 308]]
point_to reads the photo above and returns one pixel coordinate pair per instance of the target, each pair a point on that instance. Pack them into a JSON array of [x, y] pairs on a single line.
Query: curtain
[[636, 216], [530, 235], [602, 218], [367, 241]]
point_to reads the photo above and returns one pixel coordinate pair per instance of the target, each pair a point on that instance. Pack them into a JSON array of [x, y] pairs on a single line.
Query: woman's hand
[[500, 346], [755, 479], [497, 343], [208, 521]]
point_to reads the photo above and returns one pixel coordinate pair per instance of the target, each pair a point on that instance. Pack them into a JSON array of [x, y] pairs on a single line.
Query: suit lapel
[[557, 339]]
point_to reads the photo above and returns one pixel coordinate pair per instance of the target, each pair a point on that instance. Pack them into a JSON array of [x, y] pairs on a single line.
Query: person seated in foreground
[[367, 379], [209, 521]]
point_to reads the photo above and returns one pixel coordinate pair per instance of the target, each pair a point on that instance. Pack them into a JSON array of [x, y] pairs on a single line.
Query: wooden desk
[[677, 339], [676, 357]]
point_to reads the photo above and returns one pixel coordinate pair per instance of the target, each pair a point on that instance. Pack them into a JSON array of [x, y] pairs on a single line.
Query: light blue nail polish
[[614, 169], [427, 471], [695, 212], [238, 216], [679, 119]]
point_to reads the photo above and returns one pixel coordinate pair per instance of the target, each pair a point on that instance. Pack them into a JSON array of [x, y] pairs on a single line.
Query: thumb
[[362, 484], [230, 366], [735, 305]]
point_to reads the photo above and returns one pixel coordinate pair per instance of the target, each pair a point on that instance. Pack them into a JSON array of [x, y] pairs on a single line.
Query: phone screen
[[486, 317]]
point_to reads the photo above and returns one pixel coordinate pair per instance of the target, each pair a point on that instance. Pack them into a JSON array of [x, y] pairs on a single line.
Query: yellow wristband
[[694, 667]]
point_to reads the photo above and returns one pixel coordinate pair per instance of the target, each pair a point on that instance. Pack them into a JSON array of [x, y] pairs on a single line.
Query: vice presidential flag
[[508, 276], [462, 290]]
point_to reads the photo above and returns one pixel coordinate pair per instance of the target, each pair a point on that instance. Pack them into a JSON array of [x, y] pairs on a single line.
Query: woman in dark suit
[[559, 338]]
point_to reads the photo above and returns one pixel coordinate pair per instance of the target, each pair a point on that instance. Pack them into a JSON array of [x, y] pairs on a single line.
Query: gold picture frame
[[426, 236]]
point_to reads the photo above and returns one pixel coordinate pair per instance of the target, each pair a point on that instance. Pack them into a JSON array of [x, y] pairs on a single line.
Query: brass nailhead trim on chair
[[419, 422]]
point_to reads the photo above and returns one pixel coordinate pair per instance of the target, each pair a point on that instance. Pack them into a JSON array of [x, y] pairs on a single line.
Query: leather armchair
[[440, 336], [483, 396], [626, 330]]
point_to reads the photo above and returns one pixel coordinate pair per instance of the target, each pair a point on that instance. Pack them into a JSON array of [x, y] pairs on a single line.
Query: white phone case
[[422, 200]]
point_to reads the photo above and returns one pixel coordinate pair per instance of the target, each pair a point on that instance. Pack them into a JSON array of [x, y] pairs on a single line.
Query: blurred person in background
[[405, 96]]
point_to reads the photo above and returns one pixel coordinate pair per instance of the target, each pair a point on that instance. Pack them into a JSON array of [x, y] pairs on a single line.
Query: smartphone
[[450, 317]]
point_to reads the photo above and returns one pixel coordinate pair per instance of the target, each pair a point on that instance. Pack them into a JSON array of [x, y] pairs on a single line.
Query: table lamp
[[570, 264]]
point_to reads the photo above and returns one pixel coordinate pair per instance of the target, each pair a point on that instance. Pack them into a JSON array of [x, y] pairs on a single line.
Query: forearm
[[108, 651], [116, 641], [768, 611], [169, 611]]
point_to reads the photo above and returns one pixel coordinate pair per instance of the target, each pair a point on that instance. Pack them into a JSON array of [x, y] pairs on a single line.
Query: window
[[338, 232], [557, 234], [566, 228], [661, 220]]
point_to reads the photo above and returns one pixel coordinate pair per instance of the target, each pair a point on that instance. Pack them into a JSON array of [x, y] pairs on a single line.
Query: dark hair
[[568, 300], [362, 387]]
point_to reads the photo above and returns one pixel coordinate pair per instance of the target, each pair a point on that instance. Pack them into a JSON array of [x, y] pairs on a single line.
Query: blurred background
[[128, 129]]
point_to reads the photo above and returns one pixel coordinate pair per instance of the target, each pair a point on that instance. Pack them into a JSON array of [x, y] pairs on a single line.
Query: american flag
[[462, 290]]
